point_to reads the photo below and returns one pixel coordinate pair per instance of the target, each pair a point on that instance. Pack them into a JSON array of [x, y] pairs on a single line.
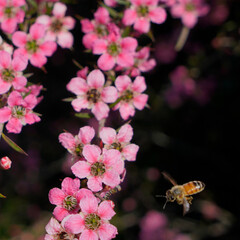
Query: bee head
[[170, 196]]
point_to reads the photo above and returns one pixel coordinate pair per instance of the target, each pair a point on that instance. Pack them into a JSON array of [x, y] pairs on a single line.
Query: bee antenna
[[165, 202]]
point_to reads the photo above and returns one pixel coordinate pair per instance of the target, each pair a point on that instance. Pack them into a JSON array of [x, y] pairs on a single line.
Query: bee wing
[[169, 178], [186, 206]]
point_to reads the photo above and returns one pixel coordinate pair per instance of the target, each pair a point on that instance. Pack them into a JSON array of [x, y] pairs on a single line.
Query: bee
[[182, 193], [112, 191]]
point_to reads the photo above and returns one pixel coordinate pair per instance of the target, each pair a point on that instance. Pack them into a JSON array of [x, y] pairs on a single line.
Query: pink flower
[[92, 94], [55, 231], [75, 144], [58, 25], [18, 112], [141, 12], [111, 3], [67, 199], [11, 14], [11, 72], [34, 46], [120, 141], [99, 168], [93, 221], [189, 11], [131, 95], [97, 28], [115, 50], [5, 163]]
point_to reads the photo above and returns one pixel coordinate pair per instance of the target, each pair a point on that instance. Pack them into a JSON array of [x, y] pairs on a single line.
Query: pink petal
[[74, 224], [22, 53], [89, 39], [70, 186], [9, 25], [125, 59], [53, 227], [142, 25], [140, 101], [102, 15], [19, 39], [106, 62], [123, 83], [129, 44], [88, 235], [31, 118], [177, 10], [19, 82], [77, 86], [69, 22], [44, 19], [48, 48], [19, 63], [139, 84], [87, 26], [189, 19], [67, 140], [110, 157], [86, 134], [38, 60], [15, 99], [14, 125], [126, 110], [100, 110], [108, 135], [59, 10], [95, 79], [100, 46], [30, 101], [37, 31], [95, 184], [109, 94], [125, 133], [60, 213], [79, 104], [81, 169], [89, 205], [83, 192], [5, 114], [56, 196], [65, 39], [4, 86], [130, 152], [107, 231], [111, 178], [18, 3], [129, 17], [105, 210], [158, 15], [91, 153], [5, 59]]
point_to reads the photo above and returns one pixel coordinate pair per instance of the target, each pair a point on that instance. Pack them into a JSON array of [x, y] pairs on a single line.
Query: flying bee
[[182, 193], [112, 191]]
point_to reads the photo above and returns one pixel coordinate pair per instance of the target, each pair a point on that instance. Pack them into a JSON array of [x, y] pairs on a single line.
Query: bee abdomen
[[193, 187]]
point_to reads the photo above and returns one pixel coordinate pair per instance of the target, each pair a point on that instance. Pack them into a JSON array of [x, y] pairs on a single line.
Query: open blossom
[[92, 94], [115, 50], [5, 163], [120, 141], [11, 14], [19, 112], [93, 221], [67, 199], [189, 11], [99, 168], [58, 26], [11, 72], [142, 12], [75, 144], [56, 231], [97, 28], [34, 46], [131, 95]]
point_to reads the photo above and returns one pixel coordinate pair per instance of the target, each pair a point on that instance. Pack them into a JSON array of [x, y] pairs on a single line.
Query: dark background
[[194, 141]]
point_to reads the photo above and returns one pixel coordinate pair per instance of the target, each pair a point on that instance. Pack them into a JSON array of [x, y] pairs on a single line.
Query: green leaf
[[68, 99], [115, 103], [13, 145], [2, 196], [83, 115], [33, 3]]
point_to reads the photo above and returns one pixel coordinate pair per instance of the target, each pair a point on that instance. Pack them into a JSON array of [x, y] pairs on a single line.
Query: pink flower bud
[[5, 163]]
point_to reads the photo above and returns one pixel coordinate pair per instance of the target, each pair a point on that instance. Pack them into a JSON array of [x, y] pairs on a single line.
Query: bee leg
[[189, 199]]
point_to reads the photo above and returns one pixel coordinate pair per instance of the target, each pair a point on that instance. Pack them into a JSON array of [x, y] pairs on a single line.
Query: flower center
[[63, 236], [32, 46], [79, 149], [9, 12], [113, 49], [101, 30], [127, 96], [97, 169], [56, 26], [69, 203], [117, 146], [93, 95], [142, 11], [8, 75], [190, 7], [18, 111], [92, 221]]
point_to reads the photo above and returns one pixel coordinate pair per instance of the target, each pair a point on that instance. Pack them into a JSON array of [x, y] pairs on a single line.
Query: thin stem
[[182, 38], [1, 129]]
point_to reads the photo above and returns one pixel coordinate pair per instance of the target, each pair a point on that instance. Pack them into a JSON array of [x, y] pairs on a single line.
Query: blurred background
[[191, 131]]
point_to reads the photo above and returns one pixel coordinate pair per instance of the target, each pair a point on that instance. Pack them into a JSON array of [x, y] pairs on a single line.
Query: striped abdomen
[[193, 187]]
